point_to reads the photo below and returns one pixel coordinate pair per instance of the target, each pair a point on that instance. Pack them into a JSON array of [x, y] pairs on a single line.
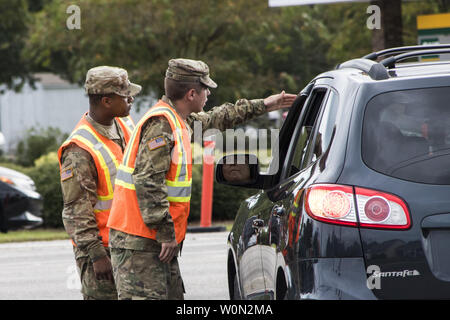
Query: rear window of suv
[[406, 135]]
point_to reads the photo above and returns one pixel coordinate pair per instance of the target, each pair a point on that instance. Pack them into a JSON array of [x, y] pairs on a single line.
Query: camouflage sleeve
[[152, 164], [79, 189], [228, 115]]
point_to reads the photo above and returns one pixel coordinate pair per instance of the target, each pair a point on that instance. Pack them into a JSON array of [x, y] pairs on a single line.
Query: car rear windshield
[[406, 135]]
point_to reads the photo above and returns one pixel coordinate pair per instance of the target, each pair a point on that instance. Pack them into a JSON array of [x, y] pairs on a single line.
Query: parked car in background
[[20, 204], [357, 203]]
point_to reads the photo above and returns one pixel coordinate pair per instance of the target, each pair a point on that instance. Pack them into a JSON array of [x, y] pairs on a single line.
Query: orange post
[[207, 183]]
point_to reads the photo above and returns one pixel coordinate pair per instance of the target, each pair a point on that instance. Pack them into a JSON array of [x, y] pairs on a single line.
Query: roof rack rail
[[390, 62], [374, 69], [385, 52]]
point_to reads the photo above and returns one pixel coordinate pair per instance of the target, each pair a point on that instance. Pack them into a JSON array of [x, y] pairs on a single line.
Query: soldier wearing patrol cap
[[148, 218], [88, 162]]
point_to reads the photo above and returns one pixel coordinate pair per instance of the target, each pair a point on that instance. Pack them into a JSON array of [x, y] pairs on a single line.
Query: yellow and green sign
[[434, 29]]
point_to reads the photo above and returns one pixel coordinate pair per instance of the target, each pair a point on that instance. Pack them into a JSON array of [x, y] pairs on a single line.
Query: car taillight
[[381, 210], [331, 203], [374, 209]]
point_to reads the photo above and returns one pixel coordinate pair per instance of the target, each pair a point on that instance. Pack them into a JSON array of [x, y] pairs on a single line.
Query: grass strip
[[61, 234], [33, 235]]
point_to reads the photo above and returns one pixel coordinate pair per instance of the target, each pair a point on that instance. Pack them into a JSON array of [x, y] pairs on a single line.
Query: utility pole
[[391, 32]]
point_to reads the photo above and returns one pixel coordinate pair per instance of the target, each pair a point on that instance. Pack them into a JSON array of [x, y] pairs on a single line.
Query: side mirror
[[238, 170]]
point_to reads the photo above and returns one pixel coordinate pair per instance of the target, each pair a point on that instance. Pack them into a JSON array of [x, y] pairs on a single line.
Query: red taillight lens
[[375, 209], [331, 203], [378, 209]]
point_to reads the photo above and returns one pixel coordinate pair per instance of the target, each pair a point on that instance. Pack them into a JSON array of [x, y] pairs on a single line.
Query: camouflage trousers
[[91, 288], [140, 275]]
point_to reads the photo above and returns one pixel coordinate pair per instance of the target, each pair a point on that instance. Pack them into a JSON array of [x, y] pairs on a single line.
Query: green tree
[[14, 19], [253, 50]]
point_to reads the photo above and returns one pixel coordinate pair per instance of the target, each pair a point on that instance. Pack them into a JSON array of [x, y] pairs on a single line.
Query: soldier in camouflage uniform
[[148, 268], [110, 96]]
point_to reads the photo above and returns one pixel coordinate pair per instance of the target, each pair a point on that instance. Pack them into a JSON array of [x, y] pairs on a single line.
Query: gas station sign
[[434, 29]]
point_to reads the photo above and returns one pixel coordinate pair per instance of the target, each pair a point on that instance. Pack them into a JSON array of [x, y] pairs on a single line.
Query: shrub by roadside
[[45, 174]]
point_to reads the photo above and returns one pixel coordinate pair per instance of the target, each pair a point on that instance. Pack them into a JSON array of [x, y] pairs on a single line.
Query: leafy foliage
[[37, 143], [14, 20], [252, 50], [45, 174]]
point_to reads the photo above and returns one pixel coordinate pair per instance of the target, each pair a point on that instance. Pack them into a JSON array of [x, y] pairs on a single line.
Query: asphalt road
[[45, 270]]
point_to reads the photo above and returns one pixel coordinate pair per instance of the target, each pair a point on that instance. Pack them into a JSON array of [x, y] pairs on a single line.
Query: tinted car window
[[324, 131], [406, 135], [301, 141]]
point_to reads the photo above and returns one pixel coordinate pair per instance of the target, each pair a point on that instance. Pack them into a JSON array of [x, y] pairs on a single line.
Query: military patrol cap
[[105, 80], [187, 70]]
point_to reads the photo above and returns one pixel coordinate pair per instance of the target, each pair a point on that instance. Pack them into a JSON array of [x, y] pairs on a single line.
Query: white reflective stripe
[[103, 205], [178, 191], [98, 146], [124, 176], [128, 122]]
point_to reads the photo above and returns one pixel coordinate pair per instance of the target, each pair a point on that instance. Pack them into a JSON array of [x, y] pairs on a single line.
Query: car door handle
[[278, 211]]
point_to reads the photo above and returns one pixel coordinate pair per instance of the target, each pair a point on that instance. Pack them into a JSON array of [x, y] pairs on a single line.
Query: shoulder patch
[[66, 173], [156, 143]]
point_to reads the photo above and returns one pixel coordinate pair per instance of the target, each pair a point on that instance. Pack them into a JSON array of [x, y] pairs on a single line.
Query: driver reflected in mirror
[[236, 172], [239, 169]]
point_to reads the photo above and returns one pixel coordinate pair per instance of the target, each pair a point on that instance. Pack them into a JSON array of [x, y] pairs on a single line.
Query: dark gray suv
[[357, 202]]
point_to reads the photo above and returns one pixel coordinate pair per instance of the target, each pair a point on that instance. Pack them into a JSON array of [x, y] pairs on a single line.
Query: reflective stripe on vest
[[103, 205], [128, 122]]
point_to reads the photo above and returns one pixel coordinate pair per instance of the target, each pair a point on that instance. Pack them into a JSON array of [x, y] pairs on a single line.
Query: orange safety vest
[[125, 214], [107, 156]]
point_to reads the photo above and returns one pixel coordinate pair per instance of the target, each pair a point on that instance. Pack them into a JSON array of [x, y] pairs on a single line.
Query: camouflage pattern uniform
[[80, 190], [138, 271]]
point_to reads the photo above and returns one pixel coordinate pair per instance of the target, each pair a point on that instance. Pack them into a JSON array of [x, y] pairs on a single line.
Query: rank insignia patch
[[66, 173], [156, 143]]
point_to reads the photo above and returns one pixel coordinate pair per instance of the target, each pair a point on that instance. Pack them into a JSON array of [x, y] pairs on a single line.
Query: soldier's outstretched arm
[[229, 115]]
